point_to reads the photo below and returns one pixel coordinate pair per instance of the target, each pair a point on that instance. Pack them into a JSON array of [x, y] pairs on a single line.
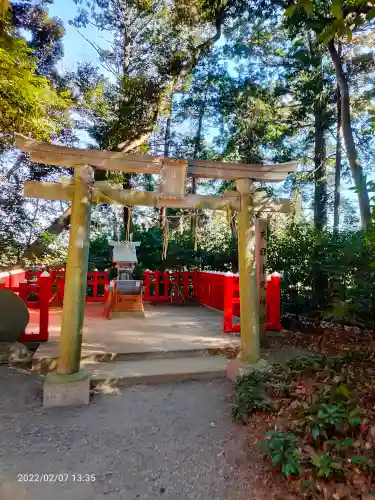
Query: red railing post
[[228, 303], [201, 285], [23, 290], [186, 285], [196, 285], [17, 277], [157, 285], [95, 285], [45, 294], [273, 309], [146, 282]]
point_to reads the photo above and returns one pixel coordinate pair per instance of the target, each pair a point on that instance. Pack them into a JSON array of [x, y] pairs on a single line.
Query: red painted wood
[[273, 304], [12, 278], [214, 290], [45, 283]]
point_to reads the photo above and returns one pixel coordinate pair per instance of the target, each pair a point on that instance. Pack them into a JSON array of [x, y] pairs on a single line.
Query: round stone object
[[14, 316]]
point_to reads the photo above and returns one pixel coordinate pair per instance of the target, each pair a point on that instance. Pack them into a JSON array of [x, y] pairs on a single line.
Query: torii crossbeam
[[83, 191]]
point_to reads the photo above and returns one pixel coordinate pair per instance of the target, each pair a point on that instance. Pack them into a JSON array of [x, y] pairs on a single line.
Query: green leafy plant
[[305, 363], [340, 444], [354, 417], [327, 419], [250, 396], [362, 461], [325, 465], [282, 449], [349, 357]]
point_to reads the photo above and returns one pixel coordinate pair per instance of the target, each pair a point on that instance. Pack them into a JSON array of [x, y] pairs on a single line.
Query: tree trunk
[[127, 211], [320, 171], [296, 198], [196, 154], [320, 276], [167, 143], [198, 140], [347, 131], [336, 206]]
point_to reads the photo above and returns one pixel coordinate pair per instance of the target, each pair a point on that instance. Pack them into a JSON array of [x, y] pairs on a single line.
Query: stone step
[[152, 371], [44, 361]]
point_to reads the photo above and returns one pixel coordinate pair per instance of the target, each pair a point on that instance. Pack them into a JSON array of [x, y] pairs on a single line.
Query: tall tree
[[32, 104], [333, 22], [338, 168], [153, 47]]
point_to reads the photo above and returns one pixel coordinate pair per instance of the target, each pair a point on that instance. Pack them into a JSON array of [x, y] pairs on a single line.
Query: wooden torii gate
[[82, 191]]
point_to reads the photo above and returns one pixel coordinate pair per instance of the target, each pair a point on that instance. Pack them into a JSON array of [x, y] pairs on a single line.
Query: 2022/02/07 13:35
[[56, 478]]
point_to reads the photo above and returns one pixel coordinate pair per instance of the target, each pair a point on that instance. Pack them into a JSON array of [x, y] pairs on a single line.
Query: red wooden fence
[[12, 278], [217, 290], [232, 307], [96, 284], [173, 287], [221, 291], [41, 292]]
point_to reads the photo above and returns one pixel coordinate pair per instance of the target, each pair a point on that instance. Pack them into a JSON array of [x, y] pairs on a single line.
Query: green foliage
[[325, 465], [327, 420], [334, 18], [250, 396], [282, 449], [333, 413], [100, 255], [214, 249], [349, 357], [365, 463], [164, 42], [304, 363], [348, 297], [29, 104], [339, 445], [319, 433]]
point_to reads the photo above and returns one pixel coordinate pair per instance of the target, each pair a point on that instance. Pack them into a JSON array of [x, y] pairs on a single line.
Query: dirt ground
[[173, 441]]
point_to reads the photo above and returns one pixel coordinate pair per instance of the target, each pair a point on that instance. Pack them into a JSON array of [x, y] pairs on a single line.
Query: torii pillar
[[69, 385], [250, 350], [249, 356]]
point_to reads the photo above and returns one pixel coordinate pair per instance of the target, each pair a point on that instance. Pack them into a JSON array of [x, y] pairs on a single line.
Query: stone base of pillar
[[66, 390], [237, 368]]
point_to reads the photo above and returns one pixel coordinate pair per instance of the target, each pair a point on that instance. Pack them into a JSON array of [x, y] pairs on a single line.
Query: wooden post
[[76, 273], [261, 259], [250, 349]]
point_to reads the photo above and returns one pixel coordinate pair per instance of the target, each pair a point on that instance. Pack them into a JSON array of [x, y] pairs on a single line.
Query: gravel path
[[172, 441]]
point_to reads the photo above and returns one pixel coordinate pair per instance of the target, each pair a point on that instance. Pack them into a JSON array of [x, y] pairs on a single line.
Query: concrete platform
[[126, 373], [166, 331]]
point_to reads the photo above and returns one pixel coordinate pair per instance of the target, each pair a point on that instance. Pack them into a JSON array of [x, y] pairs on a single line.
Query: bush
[[344, 260], [282, 449], [250, 396]]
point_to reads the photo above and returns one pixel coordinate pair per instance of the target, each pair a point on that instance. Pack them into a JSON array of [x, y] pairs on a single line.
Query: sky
[[75, 47]]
